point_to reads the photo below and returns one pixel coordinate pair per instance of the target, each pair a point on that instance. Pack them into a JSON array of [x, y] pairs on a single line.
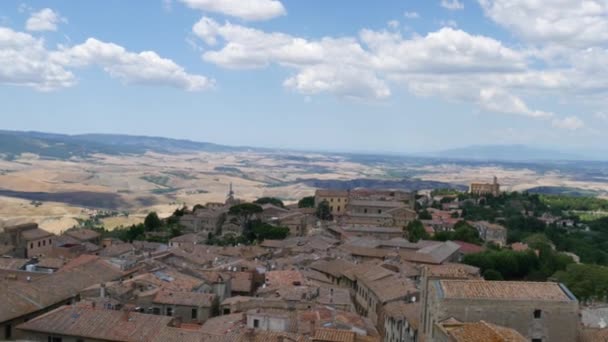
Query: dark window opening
[[226, 311], [537, 340], [256, 323], [156, 311], [8, 331], [169, 311], [194, 314], [537, 313]]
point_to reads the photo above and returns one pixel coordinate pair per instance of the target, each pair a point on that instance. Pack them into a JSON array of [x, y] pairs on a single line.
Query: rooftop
[[108, 325], [480, 332], [83, 234], [35, 234], [184, 298], [504, 290]]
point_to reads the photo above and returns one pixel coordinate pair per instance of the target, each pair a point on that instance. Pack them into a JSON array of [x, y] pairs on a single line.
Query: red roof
[[469, 248]]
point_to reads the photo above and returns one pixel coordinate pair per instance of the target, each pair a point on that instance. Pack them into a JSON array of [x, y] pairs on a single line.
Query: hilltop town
[[342, 265]]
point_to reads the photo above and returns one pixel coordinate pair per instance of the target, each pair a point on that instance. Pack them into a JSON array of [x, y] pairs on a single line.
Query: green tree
[[492, 275], [324, 212], [307, 202], [263, 231], [243, 214], [425, 215], [152, 222], [415, 231], [272, 200]]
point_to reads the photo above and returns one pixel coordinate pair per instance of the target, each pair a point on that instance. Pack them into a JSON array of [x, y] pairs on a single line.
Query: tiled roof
[[503, 290], [184, 298], [331, 193], [35, 234], [242, 281], [117, 250], [108, 325], [12, 263], [333, 335], [83, 234], [453, 271], [335, 267], [223, 325], [481, 332], [23, 298], [284, 278], [401, 309]]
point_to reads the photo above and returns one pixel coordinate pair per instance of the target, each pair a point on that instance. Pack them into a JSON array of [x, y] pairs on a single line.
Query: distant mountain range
[[510, 153], [64, 146]]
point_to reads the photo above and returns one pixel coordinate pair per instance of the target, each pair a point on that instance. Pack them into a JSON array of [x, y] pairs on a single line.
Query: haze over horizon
[[407, 76]]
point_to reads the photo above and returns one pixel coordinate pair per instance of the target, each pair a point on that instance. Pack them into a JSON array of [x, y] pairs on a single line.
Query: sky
[[397, 76]]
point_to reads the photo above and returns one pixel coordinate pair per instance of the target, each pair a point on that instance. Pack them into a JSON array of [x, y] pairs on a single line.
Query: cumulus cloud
[[452, 5], [25, 61], [576, 23], [570, 123], [44, 20], [500, 101], [364, 62], [244, 9]]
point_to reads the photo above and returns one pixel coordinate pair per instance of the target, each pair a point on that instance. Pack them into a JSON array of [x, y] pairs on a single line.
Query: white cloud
[[25, 61], [500, 101], [452, 5], [570, 123], [44, 20], [244, 9], [345, 81], [146, 67], [576, 23], [411, 15]]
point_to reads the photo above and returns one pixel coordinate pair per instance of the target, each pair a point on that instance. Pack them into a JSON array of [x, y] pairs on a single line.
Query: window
[[226, 311], [256, 323], [8, 331], [194, 314], [54, 339], [156, 311], [169, 311], [537, 340], [31, 245], [331, 200], [537, 313], [44, 242], [379, 211], [38, 243], [365, 210], [338, 208], [331, 208]]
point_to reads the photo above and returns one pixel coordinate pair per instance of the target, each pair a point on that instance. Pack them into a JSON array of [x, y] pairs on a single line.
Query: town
[[353, 265]]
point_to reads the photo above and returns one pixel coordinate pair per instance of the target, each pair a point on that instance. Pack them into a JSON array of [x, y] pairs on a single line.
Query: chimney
[[102, 290]]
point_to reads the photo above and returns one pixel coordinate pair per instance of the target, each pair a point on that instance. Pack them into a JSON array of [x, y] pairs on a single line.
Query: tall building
[[485, 188]]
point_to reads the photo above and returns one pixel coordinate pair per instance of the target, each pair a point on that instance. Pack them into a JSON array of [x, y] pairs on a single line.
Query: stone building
[[540, 311], [27, 240], [491, 232], [482, 189], [337, 200], [190, 307]]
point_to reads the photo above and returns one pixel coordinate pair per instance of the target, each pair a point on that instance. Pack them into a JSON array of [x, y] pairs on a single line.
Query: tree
[[492, 275], [415, 231], [263, 231], [307, 202], [425, 215], [323, 211], [152, 222], [272, 200], [243, 213]]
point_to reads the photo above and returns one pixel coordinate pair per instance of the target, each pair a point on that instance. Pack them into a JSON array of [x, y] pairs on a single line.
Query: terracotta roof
[[109, 325], [184, 298], [115, 250], [223, 325], [83, 234], [51, 262], [505, 290], [12, 263], [35, 234], [453, 271], [469, 248], [333, 335], [331, 193], [481, 332], [284, 278], [402, 310], [335, 267], [187, 238], [242, 282]]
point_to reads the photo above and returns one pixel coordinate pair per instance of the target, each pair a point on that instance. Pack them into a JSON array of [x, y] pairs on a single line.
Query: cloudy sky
[[382, 75]]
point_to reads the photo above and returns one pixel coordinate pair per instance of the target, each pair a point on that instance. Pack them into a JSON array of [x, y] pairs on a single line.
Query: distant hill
[[506, 153], [63, 146]]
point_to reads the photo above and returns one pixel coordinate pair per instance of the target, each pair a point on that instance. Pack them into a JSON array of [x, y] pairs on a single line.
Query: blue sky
[[386, 76]]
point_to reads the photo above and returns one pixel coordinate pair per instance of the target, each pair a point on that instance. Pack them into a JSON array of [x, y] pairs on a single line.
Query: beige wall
[[39, 246]]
